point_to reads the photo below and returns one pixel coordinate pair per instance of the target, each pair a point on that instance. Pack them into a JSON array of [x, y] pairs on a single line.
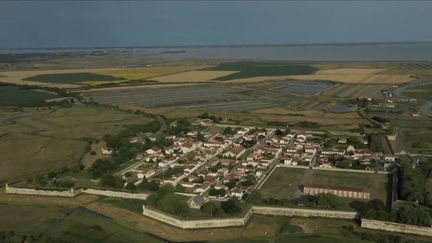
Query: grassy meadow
[[45, 140], [16, 96]]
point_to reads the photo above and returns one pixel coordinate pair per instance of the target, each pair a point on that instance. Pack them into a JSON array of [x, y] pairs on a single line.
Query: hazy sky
[[115, 23]]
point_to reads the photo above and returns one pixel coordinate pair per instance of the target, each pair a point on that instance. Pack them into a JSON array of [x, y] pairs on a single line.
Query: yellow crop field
[[123, 75], [343, 75], [194, 76], [95, 83], [144, 73]]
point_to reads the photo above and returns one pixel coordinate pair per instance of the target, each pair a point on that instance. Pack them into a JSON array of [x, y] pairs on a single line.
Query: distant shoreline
[[224, 46]]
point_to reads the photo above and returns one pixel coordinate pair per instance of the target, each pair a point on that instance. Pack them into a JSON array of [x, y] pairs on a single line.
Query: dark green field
[[13, 95], [71, 78], [83, 225], [420, 92], [255, 69]]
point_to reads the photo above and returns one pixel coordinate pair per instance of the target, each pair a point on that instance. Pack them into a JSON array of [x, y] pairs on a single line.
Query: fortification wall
[[395, 227], [197, 224], [74, 192], [30, 191], [338, 169], [129, 195], [303, 212]]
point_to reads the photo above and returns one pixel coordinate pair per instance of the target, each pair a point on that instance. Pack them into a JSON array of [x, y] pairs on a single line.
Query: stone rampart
[[396, 227]]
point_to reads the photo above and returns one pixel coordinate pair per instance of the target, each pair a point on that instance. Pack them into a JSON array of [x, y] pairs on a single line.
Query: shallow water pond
[[303, 87]]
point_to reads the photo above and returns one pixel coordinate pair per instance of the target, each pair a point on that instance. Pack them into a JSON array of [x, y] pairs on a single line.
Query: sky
[[51, 24]]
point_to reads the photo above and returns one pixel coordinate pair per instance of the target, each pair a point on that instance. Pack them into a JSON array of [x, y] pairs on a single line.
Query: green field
[[356, 90], [43, 141], [419, 92], [86, 226], [377, 184], [419, 142], [13, 95], [72, 78], [285, 182], [297, 239], [255, 69], [29, 218]]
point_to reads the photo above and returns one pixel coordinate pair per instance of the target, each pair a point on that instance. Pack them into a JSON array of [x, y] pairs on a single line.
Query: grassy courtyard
[[377, 184], [285, 182]]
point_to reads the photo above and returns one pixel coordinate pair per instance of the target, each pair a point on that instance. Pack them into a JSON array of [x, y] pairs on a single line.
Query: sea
[[300, 52]]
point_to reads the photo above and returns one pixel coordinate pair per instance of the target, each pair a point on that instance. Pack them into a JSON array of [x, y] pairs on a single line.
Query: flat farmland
[[193, 76], [357, 76], [346, 120], [43, 141], [75, 78], [12, 95], [229, 105], [259, 69], [356, 90], [165, 96]]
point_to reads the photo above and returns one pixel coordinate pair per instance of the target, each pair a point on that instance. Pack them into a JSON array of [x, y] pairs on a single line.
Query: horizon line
[[224, 45]]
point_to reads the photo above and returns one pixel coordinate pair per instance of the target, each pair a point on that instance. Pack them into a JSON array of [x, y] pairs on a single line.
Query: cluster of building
[[170, 164], [300, 151], [237, 169], [220, 162], [307, 149]]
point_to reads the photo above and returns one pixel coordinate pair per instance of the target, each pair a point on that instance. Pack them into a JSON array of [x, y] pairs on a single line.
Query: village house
[[235, 152], [331, 151], [214, 143], [146, 173], [236, 192], [197, 201], [203, 188], [106, 151], [153, 150]]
